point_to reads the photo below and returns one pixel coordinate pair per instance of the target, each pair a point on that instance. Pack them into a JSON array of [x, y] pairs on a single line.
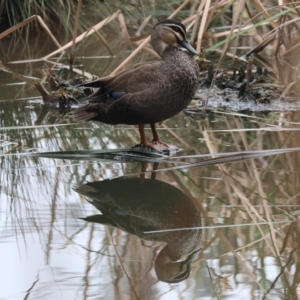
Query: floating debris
[[63, 92]]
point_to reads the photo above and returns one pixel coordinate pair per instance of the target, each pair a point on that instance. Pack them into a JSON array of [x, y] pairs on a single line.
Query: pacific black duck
[[140, 205], [148, 92]]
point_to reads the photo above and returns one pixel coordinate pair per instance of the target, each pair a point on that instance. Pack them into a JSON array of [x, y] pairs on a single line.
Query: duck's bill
[[187, 46]]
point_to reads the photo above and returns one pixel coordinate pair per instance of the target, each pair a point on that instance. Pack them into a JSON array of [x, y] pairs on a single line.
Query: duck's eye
[[178, 30]]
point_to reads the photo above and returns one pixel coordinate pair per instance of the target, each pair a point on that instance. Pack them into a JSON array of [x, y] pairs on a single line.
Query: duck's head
[[170, 32], [171, 271]]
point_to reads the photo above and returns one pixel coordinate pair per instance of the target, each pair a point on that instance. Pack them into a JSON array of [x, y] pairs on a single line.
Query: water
[[245, 212]]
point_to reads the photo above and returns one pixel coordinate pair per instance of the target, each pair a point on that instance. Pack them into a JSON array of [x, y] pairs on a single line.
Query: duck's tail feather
[[86, 190], [81, 114], [91, 111]]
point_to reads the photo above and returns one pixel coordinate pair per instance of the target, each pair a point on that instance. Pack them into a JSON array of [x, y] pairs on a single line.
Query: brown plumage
[[149, 92], [140, 205]]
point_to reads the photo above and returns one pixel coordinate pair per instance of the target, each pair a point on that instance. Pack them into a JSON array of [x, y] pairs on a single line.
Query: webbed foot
[[160, 146], [156, 144]]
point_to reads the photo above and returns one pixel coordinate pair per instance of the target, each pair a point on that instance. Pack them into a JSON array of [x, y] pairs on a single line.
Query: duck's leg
[[154, 133], [156, 144], [144, 166], [160, 146], [155, 139], [142, 135]]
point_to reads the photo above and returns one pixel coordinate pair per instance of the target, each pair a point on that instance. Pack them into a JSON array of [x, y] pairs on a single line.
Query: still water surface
[[83, 228]]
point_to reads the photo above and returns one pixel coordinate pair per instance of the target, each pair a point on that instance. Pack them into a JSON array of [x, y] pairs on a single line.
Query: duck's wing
[[128, 81], [124, 91]]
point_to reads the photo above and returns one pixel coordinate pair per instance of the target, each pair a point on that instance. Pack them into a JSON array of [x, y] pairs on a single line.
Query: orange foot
[[160, 146]]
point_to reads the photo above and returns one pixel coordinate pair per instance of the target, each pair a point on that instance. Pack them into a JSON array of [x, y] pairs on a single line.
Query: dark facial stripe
[[172, 22], [178, 29]]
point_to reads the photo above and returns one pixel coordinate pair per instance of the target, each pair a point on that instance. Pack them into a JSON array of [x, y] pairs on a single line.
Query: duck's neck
[[158, 44], [172, 52]]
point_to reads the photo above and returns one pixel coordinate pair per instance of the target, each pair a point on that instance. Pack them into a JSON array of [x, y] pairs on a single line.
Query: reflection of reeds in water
[[262, 190]]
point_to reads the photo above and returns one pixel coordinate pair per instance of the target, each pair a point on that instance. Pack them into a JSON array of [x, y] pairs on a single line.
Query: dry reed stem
[[233, 136], [246, 202], [132, 55], [103, 40], [211, 10], [88, 263], [78, 71], [44, 93], [263, 10], [211, 14], [259, 186], [258, 32], [207, 36], [264, 237], [230, 55], [241, 6], [124, 30], [286, 90], [19, 76], [11, 150], [291, 49], [189, 26], [261, 46], [143, 25], [188, 20], [151, 51], [179, 8], [132, 137], [108, 234], [53, 213], [220, 235], [203, 24], [85, 34], [271, 36], [182, 141], [105, 43], [214, 186], [250, 208], [196, 21], [214, 288], [141, 46], [241, 134], [242, 262], [72, 51], [26, 21]]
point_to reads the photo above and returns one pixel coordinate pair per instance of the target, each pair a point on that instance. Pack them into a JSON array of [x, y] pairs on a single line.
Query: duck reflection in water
[[140, 205]]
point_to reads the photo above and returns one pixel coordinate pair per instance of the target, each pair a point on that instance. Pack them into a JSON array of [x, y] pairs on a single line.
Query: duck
[[152, 210], [147, 92]]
